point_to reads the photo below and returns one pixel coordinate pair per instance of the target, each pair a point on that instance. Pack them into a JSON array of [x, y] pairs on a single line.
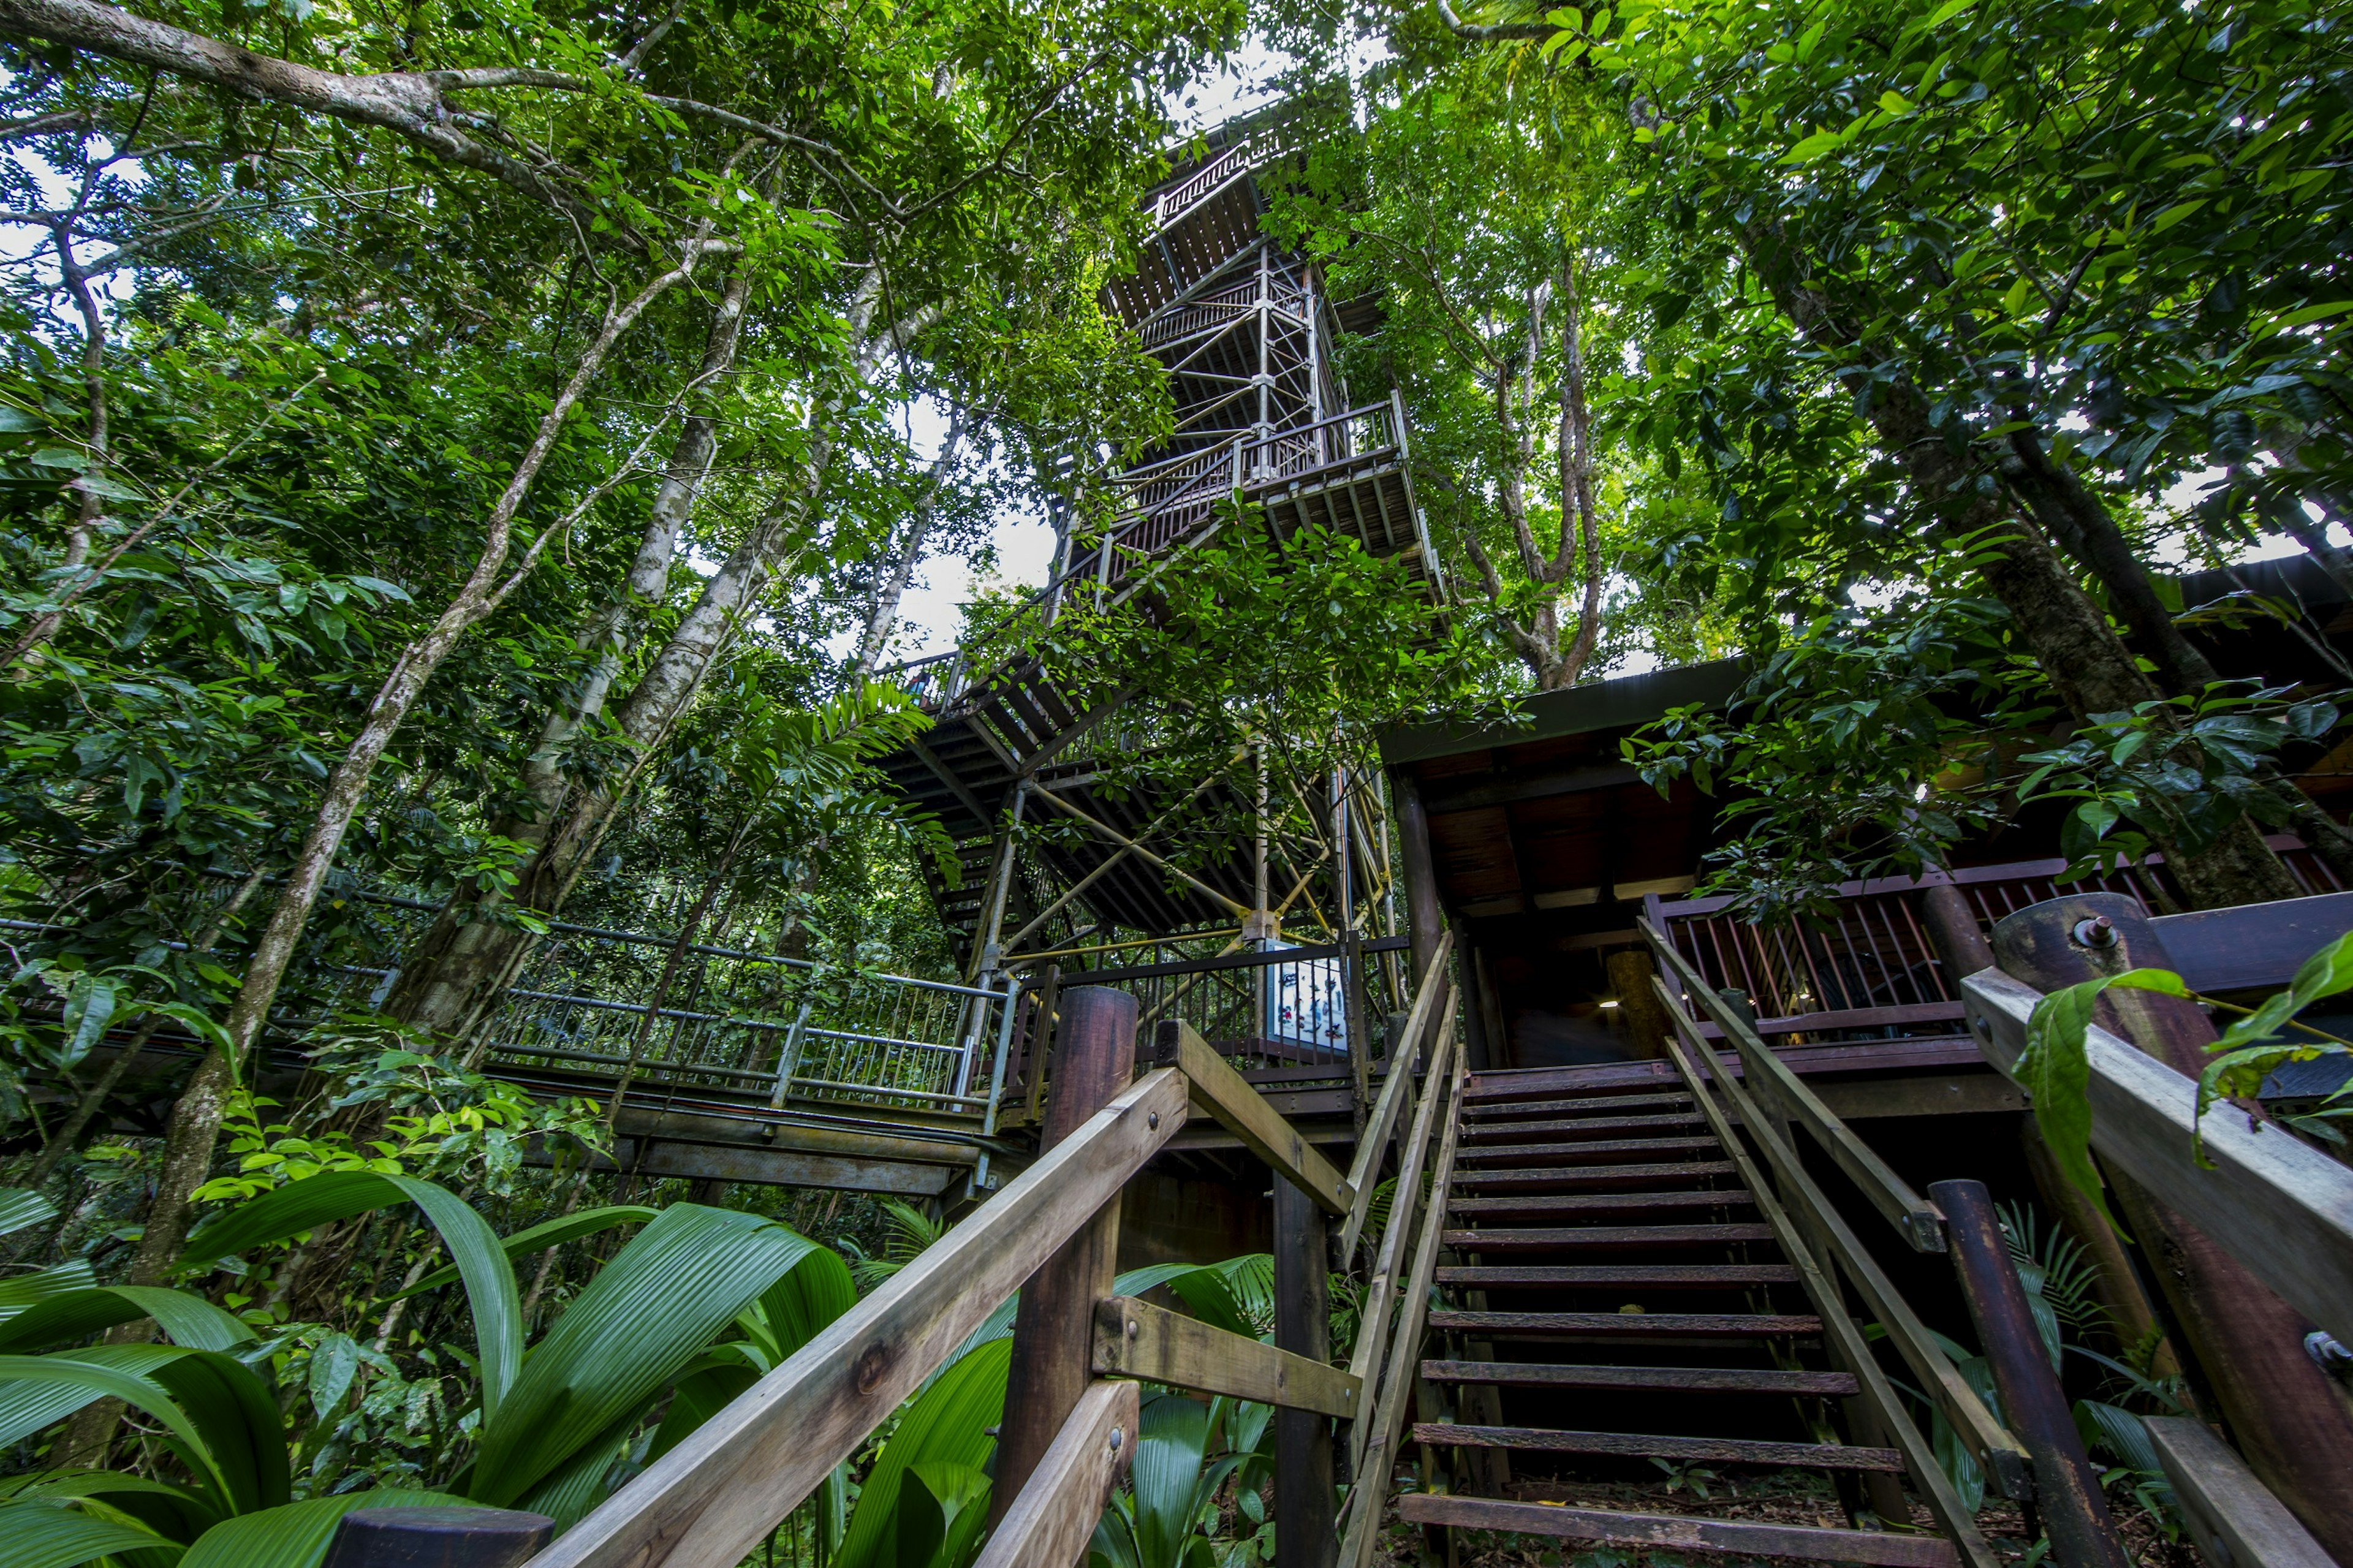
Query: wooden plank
[[1644, 1444], [1580, 1128], [1241, 1110], [1136, 1338], [1569, 1238], [2233, 1517], [707, 1502], [1538, 1205], [2281, 1207], [1630, 1277], [1651, 1379], [1593, 1175], [1694, 1325], [1916, 1219], [2002, 1455], [1681, 1532], [1396, 1086], [1580, 1153], [1051, 1521], [1490, 1114], [1845, 1018], [771, 1167], [2252, 946]]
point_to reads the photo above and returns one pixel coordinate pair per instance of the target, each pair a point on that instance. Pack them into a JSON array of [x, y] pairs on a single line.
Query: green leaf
[[1947, 11], [298, 1207], [2055, 1071], [946, 1424], [542, 1236], [51, 1535], [28, 1290], [243, 1432], [21, 1207], [37, 1392], [296, 1535], [669, 1293], [1820, 144], [2311, 313], [184, 1318]]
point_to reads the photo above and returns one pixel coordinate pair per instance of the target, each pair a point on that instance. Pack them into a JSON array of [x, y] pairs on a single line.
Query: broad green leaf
[[2311, 313], [797, 1307], [546, 1234], [1820, 144], [21, 1207], [37, 1392], [946, 1424], [298, 1207], [52, 1535], [296, 1535], [27, 1292], [184, 1318], [2056, 1074], [669, 1293], [244, 1432]]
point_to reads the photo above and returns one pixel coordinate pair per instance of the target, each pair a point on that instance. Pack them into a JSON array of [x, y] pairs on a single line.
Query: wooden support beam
[[1226, 1095], [1054, 1517], [1916, 1219], [710, 1500], [1304, 1472], [1135, 1338], [2232, 1516], [2283, 1208], [1113, 833]]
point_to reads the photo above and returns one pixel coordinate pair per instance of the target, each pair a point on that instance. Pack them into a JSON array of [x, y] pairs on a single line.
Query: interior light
[[1610, 1003]]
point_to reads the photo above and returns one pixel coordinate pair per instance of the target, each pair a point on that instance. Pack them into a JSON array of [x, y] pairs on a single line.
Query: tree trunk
[[892, 588], [2086, 663]]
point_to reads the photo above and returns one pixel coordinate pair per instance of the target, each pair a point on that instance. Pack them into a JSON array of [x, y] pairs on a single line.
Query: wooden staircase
[[1629, 1353]]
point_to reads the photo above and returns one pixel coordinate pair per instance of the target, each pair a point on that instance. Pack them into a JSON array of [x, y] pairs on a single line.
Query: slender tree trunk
[[463, 963], [196, 1118], [2086, 663], [893, 587]]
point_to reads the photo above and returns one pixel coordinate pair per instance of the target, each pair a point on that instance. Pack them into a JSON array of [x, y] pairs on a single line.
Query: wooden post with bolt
[[2295, 1430], [1054, 1332]]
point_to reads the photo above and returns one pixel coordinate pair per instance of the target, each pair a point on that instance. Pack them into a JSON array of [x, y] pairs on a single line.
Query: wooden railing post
[[436, 1537], [1053, 1333], [1304, 1471], [2294, 1427], [2033, 1404]]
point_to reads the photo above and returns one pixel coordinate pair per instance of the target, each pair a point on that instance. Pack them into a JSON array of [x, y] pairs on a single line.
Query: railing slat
[[713, 1497], [1136, 1338], [1914, 1218], [1051, 1521], [1394, 1088]]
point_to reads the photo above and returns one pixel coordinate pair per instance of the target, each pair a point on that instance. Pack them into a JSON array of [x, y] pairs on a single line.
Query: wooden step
[[1645, 1379], [1534, 1205], [1614, 1151], [1571, 1238], [1681, 1532], [1558, 1177], [1630, 1277], [1645, 1445], [1604, 1105], [1665, 1325], [1587, 1127]]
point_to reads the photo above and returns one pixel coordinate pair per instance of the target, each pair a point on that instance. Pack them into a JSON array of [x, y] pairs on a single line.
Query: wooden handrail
[[1238, 1108], [1403, 1207], [1914, 1218], [1994, 1448], [2282, 1208], [1374, 1451], [1919, 1459], [1395, 1089], [712, 1498]]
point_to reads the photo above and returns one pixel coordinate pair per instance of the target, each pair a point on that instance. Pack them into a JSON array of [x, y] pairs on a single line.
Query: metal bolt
[[2097, 932], [1152, 1120], [1117, 1437], [1132, 1328]]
